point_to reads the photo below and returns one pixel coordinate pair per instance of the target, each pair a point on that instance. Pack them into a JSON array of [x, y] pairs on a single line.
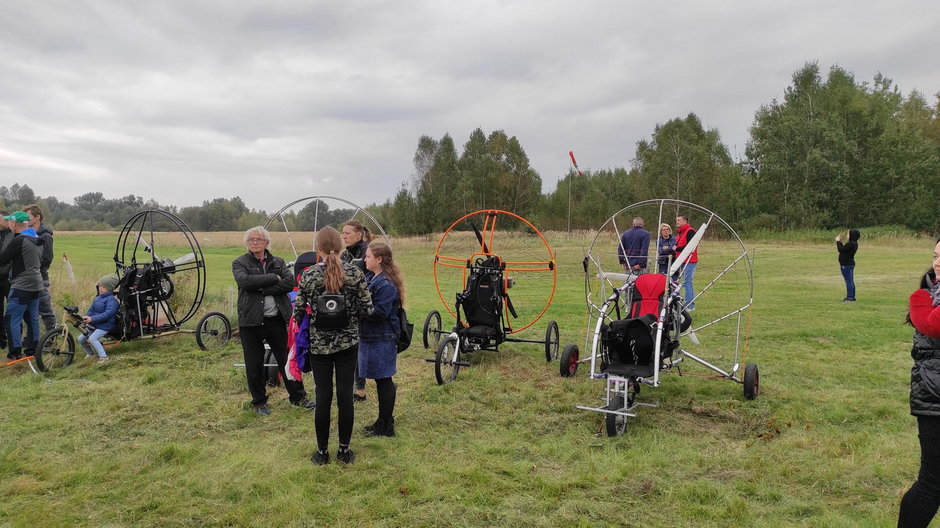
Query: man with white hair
[[634, 247]]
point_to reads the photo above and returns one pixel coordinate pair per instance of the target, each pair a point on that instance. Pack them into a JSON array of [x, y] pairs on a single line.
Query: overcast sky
[[185, 101]]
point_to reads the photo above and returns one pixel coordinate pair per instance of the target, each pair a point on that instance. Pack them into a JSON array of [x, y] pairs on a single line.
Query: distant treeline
[[832, 153]]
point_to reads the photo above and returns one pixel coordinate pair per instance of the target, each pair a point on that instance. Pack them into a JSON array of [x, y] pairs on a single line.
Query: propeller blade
[[185, 259], [687, 252]]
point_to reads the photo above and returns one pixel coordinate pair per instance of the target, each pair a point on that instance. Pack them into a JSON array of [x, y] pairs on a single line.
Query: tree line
[[833, 152]]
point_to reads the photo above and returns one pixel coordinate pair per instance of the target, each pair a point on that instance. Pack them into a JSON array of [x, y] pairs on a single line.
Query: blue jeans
[[94, 339], [22, 305], [848, 273], [687, 274]]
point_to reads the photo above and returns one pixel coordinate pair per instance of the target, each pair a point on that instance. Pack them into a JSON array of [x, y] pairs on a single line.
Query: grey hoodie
[[24, 254]]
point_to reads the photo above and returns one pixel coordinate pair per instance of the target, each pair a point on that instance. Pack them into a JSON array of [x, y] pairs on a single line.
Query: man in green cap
[[24, 254]]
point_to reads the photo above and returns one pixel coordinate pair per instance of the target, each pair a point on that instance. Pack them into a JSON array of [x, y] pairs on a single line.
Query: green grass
[[162, 435]]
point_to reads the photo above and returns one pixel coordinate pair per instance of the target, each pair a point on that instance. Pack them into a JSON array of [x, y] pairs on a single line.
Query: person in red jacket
[[684, 234], [920, 503]]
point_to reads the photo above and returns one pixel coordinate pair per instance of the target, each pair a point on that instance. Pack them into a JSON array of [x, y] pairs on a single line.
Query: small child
[[102, 314]]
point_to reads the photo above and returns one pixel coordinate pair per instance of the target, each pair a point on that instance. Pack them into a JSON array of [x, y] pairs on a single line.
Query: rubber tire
[[751, 381], [56, 349], [615, 424], [432, 324], [568, 365], [442, 359], [272, 377], [213, 331], [551, 342], [686, 319]]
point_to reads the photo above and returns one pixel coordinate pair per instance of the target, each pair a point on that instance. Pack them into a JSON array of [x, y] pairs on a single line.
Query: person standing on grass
[[920, 503], [46, 313], [334, 338], [6, 236], [684, 235], [23, 254], [102, 315], [378, 335], [666, 249], [634, 247], [356, 238], [847, 262], [264, 282]]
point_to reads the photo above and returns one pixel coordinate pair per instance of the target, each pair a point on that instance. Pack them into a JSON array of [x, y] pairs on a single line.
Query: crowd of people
[[345, 311], [633, 252], [26, 250]]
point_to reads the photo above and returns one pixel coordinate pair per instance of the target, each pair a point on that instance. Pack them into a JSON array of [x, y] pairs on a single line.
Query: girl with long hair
[[333, 347], [378, 347]]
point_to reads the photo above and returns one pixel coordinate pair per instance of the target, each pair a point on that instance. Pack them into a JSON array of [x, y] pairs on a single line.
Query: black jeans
[[4, 291], [274, 331], [920, 503], [322, 365]]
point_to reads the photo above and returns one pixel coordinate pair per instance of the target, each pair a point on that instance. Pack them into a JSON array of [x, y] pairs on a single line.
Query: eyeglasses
[[257, 240]]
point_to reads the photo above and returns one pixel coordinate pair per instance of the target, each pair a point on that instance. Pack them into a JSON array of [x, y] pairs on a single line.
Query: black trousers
[[4, 292], [323, 365], [274, 331], [920, 503]]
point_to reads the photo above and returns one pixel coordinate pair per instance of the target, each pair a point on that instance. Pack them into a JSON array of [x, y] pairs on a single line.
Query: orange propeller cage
[[485, 248]]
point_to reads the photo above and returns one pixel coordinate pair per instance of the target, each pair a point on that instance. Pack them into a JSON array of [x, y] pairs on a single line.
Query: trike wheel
[[751, 381], [569, 361], [213, 331], [616, 423], [56, 349], [432, 329], [551, 342], [447, 360]]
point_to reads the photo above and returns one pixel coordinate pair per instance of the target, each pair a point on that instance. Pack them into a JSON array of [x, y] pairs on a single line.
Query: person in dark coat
[[102, 314], [23, 254], [356, 238], [847, 262], [920, 503], [43, 231], [264, 310], [378, 335], [634, 247], [6, 236], [666, 249]]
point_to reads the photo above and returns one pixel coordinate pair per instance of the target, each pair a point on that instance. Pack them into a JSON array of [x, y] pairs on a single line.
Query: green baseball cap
[[19, 217]]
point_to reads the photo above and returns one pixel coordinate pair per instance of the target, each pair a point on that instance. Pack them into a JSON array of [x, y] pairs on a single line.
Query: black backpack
[[330, 312], [406, 331]]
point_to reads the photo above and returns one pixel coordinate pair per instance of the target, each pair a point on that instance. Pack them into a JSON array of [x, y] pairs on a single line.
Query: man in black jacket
[[6, 236], [23, 254], [43, 231], [264, 311]]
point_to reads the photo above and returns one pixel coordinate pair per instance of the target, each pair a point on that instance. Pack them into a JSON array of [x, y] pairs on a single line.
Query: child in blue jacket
[[102, 315]]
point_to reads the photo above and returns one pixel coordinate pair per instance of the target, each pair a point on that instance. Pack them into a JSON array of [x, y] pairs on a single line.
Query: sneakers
[[848, 299], [345, 457], [262, 409], [359, 397], [305, 404], [103, 359], [320, 458]]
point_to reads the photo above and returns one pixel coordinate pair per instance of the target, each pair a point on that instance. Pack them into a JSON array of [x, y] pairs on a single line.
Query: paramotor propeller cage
[[712, 320], [525, 264], [291, 225], [161, 269]]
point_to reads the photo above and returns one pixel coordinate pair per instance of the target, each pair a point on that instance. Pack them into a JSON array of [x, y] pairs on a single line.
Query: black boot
[[382, 427], [369, 429], [15, 353]]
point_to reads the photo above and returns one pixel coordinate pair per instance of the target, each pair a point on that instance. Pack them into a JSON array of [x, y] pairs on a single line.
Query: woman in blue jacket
[[378, 334], [102, 314]]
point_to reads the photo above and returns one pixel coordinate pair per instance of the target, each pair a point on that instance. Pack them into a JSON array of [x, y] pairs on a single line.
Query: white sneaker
[[103, 359]]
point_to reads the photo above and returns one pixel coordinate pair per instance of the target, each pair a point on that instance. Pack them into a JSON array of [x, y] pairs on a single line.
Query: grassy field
[[163, 435]]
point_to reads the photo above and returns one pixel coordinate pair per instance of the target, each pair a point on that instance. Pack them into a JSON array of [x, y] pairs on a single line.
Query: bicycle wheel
[[56, 349]]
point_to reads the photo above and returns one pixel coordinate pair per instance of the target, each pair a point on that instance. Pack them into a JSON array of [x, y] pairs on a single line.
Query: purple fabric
[[302, 342]]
